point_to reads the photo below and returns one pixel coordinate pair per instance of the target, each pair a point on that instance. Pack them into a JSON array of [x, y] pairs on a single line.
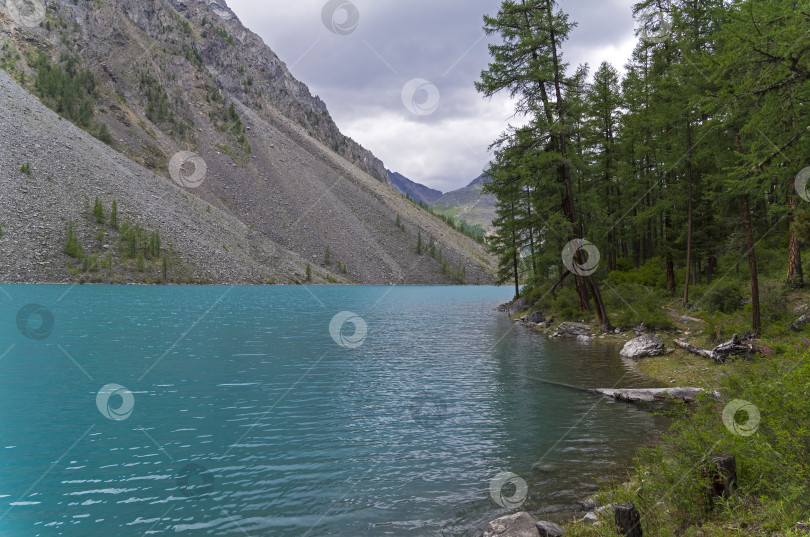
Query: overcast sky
[[397, 76]]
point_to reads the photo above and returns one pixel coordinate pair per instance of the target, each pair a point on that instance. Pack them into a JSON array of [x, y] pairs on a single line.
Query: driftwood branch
[[652, 394], [638, 394]]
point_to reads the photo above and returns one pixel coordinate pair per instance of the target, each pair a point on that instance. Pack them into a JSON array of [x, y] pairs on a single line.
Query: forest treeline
[[699, 149]]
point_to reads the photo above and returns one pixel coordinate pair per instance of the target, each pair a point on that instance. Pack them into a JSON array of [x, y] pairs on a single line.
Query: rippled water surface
[[233, 411]]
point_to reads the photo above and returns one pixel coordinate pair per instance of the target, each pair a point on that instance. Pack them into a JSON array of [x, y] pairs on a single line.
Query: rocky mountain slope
[[469, 204], [418, 192], [267, 184]]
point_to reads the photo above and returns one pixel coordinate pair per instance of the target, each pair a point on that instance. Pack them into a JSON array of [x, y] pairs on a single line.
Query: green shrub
[[723, 296], [26, 168], [635, 304], [652, 273], [73, 247], [66, 88], [98, 211], [773, 463]]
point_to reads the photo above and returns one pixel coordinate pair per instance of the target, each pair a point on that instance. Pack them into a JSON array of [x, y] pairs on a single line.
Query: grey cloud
[[360, 76]]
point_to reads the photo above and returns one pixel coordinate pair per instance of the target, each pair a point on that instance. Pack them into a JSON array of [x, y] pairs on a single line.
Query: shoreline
[[661, 370]]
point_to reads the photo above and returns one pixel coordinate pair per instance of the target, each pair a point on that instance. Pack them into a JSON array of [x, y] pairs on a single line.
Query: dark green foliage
[[8, 57], [26, 168], [103, 134], [327, 256], [476, 232], [309, 272], [773, 463], [224, 35], [228, 121], [725, 297], [140, 262], [153, 246], [73, 247], [136, 241], [90, 263], [165, 268], [710, 114], [66, 88], [419, 245], [193, 55], [98, 211], [158, 108], [1, 230]]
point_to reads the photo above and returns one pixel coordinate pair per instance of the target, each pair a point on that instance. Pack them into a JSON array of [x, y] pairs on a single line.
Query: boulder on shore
[[549, 529], [520, 524], [573, 330], [537, 317], [518, 306], [800, 323], [643, 346]]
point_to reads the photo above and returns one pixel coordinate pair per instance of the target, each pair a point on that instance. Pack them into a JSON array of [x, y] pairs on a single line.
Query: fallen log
[[736, 346], [694, 350], [652, 394]]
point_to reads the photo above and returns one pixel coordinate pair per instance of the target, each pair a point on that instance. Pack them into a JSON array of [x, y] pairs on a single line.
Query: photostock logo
[[655, 26], [28, 13], [340, 17], [730, 417], [31, 328], [800, 184], [107, 407], [354, 340], [421, 97], [188, 169], [195, 480], [504, 481], [586, 249]]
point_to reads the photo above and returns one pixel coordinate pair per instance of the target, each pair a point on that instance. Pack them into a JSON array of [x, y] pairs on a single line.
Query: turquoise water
[[236, 411]]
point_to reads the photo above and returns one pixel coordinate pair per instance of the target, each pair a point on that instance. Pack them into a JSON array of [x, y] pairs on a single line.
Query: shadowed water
[[250, 418]]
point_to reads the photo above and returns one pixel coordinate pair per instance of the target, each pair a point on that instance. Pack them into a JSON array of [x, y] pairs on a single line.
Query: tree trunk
[[628, 520], [515, 255], [795, 277], [752, 263], [564, 170], [689, 213]]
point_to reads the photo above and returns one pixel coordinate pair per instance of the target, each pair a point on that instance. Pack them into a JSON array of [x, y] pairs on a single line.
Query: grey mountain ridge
[[470, 203], [282, 183], [417, 192]]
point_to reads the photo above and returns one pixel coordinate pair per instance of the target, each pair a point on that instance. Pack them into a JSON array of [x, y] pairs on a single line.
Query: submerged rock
[[643, 346]]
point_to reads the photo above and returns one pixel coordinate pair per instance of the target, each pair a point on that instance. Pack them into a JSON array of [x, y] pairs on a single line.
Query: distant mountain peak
[[417, 191], [483, 179]]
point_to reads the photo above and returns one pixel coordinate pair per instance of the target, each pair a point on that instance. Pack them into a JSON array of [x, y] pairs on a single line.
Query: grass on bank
[[773, 465], [666, 482]]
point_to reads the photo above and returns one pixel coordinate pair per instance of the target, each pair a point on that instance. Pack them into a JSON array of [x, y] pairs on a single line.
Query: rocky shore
[[638, 343]]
